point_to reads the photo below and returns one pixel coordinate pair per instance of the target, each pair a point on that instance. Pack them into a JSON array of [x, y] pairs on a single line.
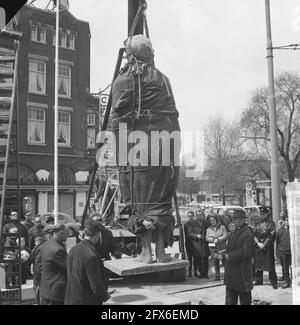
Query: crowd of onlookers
[[44, 258], [243, 245], [32, 234], [207, 234]]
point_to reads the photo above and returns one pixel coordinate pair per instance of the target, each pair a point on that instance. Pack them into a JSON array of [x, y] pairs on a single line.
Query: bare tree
[[223, 152], [256, 124]]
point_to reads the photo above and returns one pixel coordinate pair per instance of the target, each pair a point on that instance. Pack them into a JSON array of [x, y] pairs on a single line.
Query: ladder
[[10, 247]]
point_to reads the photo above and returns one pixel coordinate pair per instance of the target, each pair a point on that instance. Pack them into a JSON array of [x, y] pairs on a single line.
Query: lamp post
[[273, 123]]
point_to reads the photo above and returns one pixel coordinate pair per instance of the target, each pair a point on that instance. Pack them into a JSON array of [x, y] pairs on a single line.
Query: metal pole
[[133, 6], [55, 212], [273, 123]]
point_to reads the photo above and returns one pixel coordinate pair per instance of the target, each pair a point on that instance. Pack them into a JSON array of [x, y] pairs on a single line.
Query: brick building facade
[[77, 116]]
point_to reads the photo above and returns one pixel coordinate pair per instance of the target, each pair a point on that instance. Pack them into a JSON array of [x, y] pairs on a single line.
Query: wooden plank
[[141, 296], [129, 266], [119, 233]]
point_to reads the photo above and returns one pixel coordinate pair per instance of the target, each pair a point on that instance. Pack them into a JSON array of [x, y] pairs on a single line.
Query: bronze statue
[[142, 101]]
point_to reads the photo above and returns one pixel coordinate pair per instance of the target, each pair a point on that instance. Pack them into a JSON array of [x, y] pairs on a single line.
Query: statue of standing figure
[[142, 99]]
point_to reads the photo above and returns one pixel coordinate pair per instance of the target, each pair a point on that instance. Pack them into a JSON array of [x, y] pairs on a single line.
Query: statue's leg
[[161, 255], [146, 254]]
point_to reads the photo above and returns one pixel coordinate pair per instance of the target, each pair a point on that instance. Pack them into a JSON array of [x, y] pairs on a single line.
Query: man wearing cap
[[54, 267], [238, 262], [105, 245], [87, 283], [28, 220]]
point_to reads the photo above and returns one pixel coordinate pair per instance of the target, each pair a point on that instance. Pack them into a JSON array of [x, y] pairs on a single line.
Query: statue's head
[[140, 47]]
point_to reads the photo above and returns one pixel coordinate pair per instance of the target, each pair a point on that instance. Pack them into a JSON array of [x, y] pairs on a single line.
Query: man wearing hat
[[87, 283], [54, 268], [238, 262]]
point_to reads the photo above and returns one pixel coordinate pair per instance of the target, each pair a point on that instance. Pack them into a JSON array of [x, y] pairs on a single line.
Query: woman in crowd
[[265, 233], [216, 236]]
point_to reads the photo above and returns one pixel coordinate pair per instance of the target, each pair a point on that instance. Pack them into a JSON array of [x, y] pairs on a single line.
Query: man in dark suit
[[54, 268], [238, 262], [87, 283], [189, 243]]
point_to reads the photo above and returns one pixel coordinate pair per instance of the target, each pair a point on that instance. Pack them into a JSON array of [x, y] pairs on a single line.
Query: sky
[[213, 51]]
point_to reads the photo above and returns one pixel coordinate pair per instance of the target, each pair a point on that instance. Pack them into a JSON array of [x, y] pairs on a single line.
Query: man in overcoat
[[196, 231], [189, 244], [265, 235], [87, 283], [54, 267], [238, 262]]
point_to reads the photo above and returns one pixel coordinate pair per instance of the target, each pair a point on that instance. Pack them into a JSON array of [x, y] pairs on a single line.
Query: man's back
[[54, 271], [87, 284], [106, 245]]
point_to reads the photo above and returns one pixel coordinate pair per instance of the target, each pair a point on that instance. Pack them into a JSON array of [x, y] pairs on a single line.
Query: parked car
[[227, 208], [257, 209], [64, 218]]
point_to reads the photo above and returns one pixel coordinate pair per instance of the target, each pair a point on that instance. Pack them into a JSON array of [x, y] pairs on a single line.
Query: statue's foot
[[148, 259], [163, 259], [140, 258]]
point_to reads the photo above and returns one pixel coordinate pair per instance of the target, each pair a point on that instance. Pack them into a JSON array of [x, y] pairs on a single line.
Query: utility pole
[[275, 180], [133, 6], [55, 212]]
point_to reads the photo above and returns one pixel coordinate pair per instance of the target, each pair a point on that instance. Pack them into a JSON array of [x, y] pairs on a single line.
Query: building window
[[63, 40], [64, 80], [91, 120], [38, 34], [71, 41], [37, 76], [91, 130], [36, 125], [42, 35], [64, 128], [91, 137], [34, 33], [66, 41]]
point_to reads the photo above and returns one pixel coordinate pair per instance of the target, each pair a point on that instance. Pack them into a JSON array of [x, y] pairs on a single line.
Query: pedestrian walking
[[264, 259], [196, 231], [238, 262], [283, 249], [216, 236], [54, 267], [87, 283]]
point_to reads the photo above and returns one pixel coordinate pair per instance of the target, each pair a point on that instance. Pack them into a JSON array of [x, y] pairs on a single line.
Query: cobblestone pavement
[[216, 295], [210, 292]]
